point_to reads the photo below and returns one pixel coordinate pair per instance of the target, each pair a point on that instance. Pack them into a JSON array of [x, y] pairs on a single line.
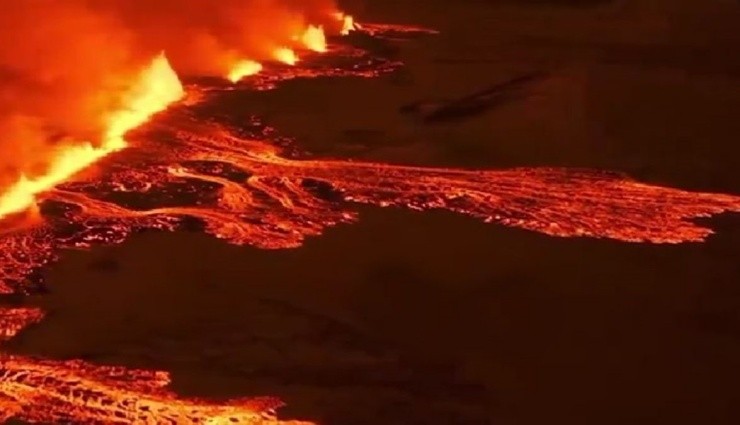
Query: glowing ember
[[156, 88], [315, 39], [244, 69], [286, 56]]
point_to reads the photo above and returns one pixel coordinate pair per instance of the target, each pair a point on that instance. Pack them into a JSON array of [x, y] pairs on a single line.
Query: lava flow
[[36, 390], [198, 165], [242, 182]]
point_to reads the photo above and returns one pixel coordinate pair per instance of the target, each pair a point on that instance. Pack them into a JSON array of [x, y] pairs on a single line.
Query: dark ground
[[431, 318]]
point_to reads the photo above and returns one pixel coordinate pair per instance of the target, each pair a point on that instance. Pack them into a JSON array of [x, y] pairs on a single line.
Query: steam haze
[[65, 65]]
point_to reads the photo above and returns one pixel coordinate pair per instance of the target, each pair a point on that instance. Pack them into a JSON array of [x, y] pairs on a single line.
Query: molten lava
[[35, 390], [285, 55], [157, 87], [14, 320], [244, 69], [314, 39], [348, 23], [244, 184], [247, 185]]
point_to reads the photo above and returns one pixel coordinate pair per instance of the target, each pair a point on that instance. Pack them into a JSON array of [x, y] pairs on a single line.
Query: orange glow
[[286, 56], [246, 184], [14, 320], [50, 391], [348, 23], [157, 87], [244, 69], [315, 39]]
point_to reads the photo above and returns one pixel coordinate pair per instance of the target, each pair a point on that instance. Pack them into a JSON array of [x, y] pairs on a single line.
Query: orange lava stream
[[275, 204], [156, 88], [36, 390]]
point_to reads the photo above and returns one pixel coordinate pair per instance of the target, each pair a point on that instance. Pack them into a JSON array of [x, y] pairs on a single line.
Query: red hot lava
[[243, 184], [36, 390]]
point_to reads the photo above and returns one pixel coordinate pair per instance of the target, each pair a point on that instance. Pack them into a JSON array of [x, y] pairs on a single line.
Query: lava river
[[237, 179]]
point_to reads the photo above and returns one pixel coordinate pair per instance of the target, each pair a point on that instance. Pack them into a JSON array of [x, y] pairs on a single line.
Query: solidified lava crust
[[247, 185]]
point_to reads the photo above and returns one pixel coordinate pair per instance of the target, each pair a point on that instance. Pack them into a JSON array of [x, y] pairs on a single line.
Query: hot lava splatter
[[242, 69], [156, 88], [286, 55], [314, 39], [347, 22], [237, 179]]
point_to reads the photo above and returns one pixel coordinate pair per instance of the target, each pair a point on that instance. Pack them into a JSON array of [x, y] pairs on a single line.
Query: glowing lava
[[242, 182], [286, 56], [157, 87], [35, 390], [314, 39], [14, 320], [244, 69], [348, 23], [244, 185]]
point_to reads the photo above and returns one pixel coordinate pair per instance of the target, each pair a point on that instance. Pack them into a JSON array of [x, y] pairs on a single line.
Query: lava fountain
[[243, 69], [285, 55], [314, 39], [347, 22], [156, 87]]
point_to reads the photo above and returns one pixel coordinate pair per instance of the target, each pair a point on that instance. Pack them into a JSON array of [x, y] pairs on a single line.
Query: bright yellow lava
[[242, 69], [156, 88], [348, 23], [314, 39], [286, 56]]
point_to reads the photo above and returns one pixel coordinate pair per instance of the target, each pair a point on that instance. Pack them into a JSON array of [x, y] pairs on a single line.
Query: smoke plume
[[67, 65]]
